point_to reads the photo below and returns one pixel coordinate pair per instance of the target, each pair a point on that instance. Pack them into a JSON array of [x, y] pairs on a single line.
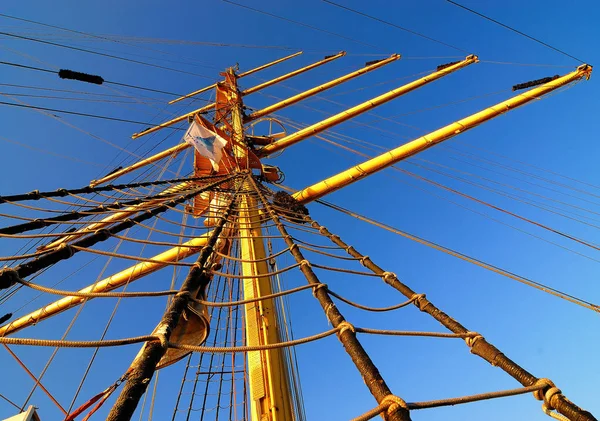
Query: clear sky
[[514, 154]]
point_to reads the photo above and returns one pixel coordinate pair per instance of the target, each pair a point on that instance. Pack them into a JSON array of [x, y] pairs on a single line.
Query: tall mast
[[270, 393]]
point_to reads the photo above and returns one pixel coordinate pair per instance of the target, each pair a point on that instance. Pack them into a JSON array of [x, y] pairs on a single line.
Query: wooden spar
[[389, 158], [113, 217], [292, 74], [299, 97], [111, 283], [361, 108], [206, 108], [311, 130], [256, 88], [246, 73], [164, 154]]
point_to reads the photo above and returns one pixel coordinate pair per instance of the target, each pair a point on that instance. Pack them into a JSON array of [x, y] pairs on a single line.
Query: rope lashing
[[394, 403], [344, 326], [304, 263], [421, 300], [387, 276], [546, 393], [553, 414], [316, 287], [472, 338]]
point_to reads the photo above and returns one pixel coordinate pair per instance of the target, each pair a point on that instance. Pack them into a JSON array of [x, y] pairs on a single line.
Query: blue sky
[[549, 337]]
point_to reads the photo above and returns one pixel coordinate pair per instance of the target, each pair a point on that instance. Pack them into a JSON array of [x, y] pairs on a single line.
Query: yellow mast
[[270, 393], [361, 108], [299, 97], [389, 158], [108, 284], [246, 92], [166, 153], [246, 73], [292, 74]]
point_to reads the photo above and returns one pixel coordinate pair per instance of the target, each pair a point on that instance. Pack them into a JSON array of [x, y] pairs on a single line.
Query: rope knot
[[546, 393], [363, 259], [343, 326], [35, 194], [420, 301], [305, 263], [472, 338], [394, 403], [544, 384], [323, 230], [552, 392], [389, 276], [183, 294], [317, 287]]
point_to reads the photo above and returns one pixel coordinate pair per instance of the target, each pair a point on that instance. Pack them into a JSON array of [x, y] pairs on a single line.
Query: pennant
[[207, 143]]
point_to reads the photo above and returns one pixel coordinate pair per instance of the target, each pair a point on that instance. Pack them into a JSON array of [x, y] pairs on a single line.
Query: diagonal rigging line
[[102, 117], [84, 50], [480, 263], [39, 69], [515, 30], [395, 26], [302, 24]]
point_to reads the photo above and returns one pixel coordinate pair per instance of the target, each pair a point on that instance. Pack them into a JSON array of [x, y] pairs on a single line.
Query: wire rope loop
[[305, 262]]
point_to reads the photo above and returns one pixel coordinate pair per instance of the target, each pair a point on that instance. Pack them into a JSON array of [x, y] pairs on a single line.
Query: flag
[[207, 143]]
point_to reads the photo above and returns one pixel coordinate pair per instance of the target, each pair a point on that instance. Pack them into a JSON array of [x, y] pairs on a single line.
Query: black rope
[[36, 195], [84, 50], [7, 63], [102, 117], [74, 215], [9, 276]]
